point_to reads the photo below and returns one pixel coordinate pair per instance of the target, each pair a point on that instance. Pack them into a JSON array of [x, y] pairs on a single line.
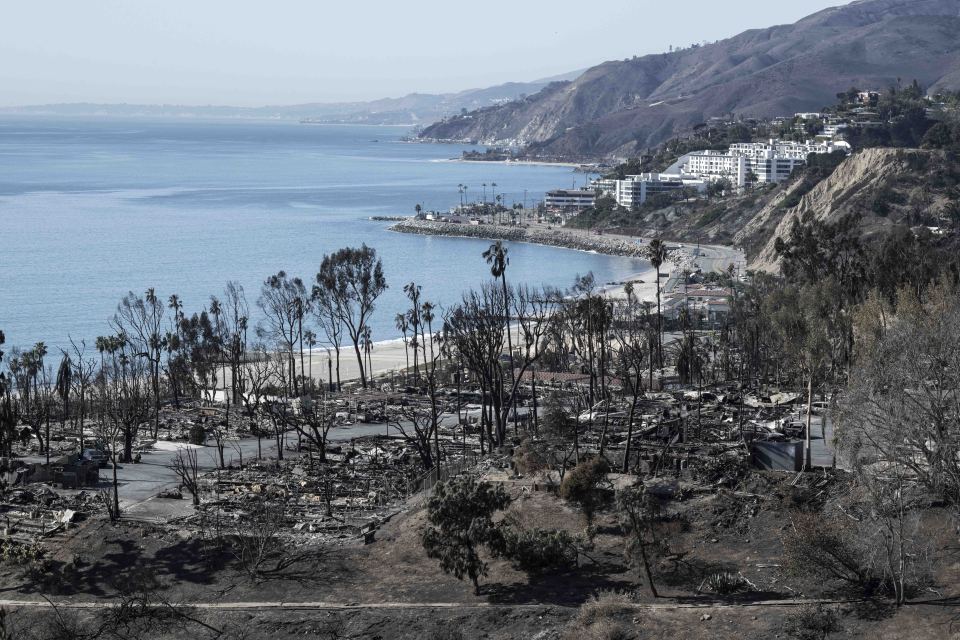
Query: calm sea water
[[91, 209]]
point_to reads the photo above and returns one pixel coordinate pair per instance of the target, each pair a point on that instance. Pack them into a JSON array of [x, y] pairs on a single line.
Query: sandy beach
[[391, 355]]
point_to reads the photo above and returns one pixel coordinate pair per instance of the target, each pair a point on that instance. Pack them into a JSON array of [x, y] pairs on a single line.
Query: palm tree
[[401, 322], [496, 257], [484, 193], [311, 339], [657, 252], [367, 339], [412, 289], [176, 304], [64, 381], [216, 310]]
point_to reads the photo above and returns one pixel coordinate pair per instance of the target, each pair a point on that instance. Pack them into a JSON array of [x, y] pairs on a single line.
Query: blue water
[[90, 209]]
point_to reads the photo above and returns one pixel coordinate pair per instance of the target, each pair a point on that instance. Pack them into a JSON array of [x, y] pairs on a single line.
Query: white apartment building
[[713, 166], [568, 200], [636, 190], [770, 162], [604, 185]]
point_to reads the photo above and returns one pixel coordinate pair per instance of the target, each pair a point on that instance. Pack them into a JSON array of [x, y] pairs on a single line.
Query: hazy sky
[[247, 52]]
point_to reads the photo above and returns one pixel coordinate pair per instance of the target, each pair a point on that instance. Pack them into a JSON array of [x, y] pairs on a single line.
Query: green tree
[[586, 487], [461, 514]]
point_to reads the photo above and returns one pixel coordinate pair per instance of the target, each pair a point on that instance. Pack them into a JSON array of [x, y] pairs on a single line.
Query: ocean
[[93, 208]]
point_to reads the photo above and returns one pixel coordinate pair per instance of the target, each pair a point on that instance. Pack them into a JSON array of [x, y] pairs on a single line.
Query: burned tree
[[419, 421], [187, 468], [236, 320], [8, 409], [353, 280], [140, 321], [284, 302], [314, 424], [638, 510], [633, 354]]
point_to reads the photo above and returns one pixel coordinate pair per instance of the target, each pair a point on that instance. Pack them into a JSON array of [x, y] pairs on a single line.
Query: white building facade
[[764, 162], [569, 200], [636, 190]]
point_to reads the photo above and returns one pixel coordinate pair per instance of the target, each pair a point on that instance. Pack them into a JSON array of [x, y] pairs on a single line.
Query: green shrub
[[726, 583], [197, 434], [585, 486], [537, 550], [814, 622]]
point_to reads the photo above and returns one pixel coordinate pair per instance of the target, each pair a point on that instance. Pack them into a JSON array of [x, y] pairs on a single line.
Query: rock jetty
[[583, 241]]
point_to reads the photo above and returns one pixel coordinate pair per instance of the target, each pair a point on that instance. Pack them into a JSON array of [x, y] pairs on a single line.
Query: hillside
[[619, 108], [885, 188]]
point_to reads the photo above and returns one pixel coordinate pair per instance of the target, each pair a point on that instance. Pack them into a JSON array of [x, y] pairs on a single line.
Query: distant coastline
[[541, 163]]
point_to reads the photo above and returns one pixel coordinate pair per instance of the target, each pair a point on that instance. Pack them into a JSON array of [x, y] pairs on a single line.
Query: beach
[[390, 355], [680, 257]]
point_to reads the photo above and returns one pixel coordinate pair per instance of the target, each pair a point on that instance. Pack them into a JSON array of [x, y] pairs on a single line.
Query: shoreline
[[610, 245], [706, 258], [532, 163]]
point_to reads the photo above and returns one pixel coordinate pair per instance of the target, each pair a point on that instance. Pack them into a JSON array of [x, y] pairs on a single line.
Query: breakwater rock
[[583, 241]]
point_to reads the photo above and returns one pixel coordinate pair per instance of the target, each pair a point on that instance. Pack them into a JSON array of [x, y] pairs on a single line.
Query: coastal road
[[717, 257]]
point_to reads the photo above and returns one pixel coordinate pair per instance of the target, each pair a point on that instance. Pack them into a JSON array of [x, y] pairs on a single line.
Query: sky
[[278, 52]]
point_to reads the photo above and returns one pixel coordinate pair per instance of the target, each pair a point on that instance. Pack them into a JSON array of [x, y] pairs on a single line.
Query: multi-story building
[[763, 162], [606, 186], [713, 166], [636, 190], [569, 200]]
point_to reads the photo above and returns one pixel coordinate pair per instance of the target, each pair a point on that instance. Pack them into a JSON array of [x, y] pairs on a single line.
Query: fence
[[441, 473]]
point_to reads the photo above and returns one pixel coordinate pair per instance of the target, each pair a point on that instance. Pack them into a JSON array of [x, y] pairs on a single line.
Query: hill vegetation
[[621, 108], [904, 174]]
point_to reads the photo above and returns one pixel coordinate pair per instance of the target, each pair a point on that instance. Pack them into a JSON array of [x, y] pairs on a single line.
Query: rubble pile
[[342, 499], [36, 513]]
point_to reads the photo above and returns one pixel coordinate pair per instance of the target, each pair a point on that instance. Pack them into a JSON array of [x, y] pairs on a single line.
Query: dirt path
[[338, 606]]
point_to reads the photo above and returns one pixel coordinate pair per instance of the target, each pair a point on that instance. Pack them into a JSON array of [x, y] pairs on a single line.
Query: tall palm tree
[[401, 322], [63, 384], [367, 339], [216, 310], [484, 193], [412, 289], [657, 252], [311, 339], [175, 304], [496, 257]]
